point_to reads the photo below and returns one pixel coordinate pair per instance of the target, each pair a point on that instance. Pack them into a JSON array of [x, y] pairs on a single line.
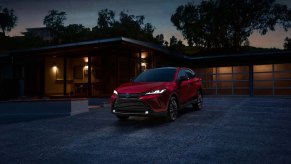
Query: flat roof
[[156, 47], [249, 54], [206, 57]]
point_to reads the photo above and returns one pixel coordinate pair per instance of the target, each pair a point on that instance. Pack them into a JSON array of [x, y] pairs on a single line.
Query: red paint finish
[[156, 94]]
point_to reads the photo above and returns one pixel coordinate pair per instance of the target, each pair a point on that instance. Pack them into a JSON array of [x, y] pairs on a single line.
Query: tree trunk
[[3, 31], [237, 40]]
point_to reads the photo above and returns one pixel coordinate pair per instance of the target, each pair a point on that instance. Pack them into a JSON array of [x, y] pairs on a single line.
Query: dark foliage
[[7, 20], [228, 23]]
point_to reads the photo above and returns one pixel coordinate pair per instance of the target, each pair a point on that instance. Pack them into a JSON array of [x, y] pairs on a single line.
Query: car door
[[192, 87], [183, 87]]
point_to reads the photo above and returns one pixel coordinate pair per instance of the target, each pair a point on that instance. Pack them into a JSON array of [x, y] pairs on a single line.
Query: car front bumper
[[146, 105]]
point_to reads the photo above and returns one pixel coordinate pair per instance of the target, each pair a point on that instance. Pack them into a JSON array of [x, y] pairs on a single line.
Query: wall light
[[144, 55], [55, 68], [86, 67], [86, 59]]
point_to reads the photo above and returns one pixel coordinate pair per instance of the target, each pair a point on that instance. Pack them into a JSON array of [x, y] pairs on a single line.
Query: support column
[[152, 59], [42, 77], [89, 75], [129, 64], [65, 76], [139, 59]]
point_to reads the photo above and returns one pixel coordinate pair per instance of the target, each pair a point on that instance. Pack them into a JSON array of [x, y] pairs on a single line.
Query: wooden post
[[89, 75], [65, 76]]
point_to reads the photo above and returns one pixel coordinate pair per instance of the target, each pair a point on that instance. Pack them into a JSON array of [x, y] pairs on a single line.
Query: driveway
[[227, 130]]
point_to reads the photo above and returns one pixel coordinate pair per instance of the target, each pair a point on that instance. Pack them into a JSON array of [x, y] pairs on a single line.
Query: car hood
[[141, 87]]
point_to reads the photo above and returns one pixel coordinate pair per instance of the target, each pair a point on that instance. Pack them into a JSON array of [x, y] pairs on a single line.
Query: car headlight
[[158, 91], [115, 92]]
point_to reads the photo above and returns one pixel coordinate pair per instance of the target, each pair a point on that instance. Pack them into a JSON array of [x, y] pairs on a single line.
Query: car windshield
[[157, 75]]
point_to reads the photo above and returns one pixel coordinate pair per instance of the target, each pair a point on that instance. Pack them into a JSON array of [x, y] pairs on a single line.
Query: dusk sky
[[30, 14]]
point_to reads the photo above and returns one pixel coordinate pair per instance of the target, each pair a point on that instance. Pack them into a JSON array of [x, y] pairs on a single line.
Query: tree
[[75, 33], [55, 21], [128, 26], [173, 41], [228, 23], [7, 19], [176, 44], [287, 43], [160, 39], [105, 19]]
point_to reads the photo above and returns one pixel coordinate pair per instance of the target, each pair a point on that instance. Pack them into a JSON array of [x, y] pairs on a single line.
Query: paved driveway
[[227, 130]]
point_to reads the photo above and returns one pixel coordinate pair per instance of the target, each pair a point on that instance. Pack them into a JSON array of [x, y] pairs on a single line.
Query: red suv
[[159, 91]]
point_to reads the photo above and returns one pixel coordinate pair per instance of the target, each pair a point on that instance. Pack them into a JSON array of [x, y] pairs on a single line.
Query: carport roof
[[104, 41]]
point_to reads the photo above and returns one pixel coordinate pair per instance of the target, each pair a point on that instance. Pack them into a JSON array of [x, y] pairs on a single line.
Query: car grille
[[132, 95], [130, 105]]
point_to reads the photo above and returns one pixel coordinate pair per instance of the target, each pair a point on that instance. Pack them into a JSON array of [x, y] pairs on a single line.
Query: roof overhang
[[278, 56], [98, 42]]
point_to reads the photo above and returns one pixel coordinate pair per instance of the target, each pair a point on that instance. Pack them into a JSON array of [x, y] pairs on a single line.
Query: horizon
[[30, 14]]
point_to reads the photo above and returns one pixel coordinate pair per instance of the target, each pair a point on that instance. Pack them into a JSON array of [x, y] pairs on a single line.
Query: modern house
[[44, 33], [84, 69], [95, 68]]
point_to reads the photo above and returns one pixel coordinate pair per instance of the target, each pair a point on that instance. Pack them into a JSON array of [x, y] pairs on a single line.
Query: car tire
[[172, 109], [122, 118], [199, 104]]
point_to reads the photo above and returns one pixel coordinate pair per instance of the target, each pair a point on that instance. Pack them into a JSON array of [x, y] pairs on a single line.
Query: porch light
[[86, 59], [55, 68]]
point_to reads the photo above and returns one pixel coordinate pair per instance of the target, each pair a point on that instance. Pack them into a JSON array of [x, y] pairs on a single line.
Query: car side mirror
[[183, 78]]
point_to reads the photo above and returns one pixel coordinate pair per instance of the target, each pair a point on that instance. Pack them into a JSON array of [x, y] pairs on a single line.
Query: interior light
[[144, 55], [55, 68], [86, 59], [86, 67]]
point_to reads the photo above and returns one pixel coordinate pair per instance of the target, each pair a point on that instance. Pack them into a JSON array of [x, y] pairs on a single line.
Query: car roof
[[171, 68]]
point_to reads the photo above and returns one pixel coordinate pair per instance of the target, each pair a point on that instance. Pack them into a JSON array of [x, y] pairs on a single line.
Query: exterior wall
[[270, 79], [109, 69], [44, 33], [9, 86], [42, 108]]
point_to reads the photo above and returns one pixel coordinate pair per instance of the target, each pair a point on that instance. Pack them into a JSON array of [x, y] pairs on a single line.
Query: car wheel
[[122, 118], [172, 109], [199, 104]]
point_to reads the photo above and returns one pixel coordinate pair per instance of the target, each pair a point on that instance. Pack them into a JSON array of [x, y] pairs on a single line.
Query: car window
[[190, 73], [157, 75], [182, 73]]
